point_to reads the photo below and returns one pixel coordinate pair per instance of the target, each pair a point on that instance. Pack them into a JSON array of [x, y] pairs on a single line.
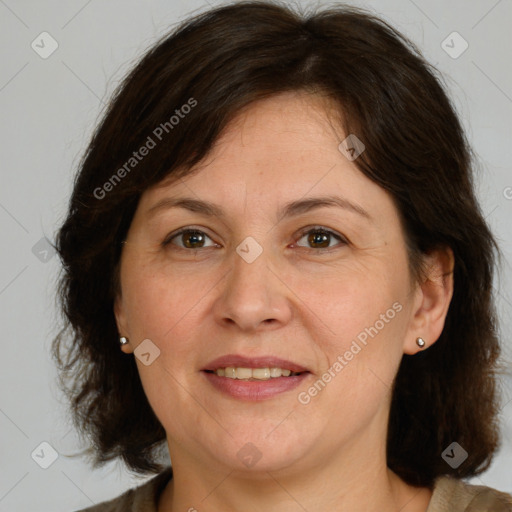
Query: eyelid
[[168, 239], [343, 240], [331, 232]]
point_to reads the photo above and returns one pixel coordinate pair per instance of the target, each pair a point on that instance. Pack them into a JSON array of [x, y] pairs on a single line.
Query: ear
[[122, 324], [432, 300]]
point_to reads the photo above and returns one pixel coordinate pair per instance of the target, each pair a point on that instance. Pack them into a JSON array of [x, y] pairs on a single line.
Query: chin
[[258, 453]]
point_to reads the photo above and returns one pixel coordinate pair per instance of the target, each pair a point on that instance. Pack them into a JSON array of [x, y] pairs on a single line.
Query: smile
[[253, 388], [253, 373]]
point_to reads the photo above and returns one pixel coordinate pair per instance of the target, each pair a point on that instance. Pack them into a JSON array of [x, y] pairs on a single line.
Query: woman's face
[[296, 260]]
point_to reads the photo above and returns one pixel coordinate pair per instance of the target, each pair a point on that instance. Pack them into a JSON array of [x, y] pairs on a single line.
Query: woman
[[275, 267]]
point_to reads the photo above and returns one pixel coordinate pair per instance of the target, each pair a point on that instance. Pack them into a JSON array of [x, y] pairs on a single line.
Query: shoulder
[[454, 495], [141, 499]]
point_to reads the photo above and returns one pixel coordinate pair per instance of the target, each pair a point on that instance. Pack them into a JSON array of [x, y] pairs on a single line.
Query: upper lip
[[240, 361]]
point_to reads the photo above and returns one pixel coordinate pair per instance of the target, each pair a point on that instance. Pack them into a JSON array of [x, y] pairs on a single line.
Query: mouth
[[253, 374], [254, 378], [239, 362]]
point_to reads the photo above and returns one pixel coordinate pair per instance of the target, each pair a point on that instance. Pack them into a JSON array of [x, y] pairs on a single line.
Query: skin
[[297, 300]]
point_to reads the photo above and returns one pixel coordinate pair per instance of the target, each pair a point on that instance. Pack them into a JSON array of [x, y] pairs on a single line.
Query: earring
[[420, 342], [123, 340]]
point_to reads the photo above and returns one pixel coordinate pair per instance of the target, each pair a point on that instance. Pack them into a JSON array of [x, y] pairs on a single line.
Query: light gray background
[[48, 110]]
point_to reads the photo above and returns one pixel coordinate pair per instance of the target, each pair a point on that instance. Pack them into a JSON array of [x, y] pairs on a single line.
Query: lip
[[240, 361], [254, 390]]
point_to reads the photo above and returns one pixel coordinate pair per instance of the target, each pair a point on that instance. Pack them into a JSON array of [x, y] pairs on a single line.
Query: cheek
[[160, 305], [348, 302], [360, 361], [358, 322], [166, 309]]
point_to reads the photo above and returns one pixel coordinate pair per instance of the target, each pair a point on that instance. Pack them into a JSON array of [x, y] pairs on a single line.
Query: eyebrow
[[291, 209]]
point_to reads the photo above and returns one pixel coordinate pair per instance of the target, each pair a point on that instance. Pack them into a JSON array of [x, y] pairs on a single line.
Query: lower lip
[[254, 390]]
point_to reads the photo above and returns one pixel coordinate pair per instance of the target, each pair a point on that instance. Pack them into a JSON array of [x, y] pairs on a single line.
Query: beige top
[[449, 495]]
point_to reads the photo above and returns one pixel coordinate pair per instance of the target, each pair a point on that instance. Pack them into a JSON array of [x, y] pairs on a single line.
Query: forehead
[[283, 124], [273, 152], [288, 139], [292, 116]]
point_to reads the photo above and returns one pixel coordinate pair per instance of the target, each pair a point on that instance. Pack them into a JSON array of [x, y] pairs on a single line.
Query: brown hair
[[217, 63]]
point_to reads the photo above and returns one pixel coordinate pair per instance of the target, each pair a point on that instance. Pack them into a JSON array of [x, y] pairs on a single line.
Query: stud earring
[[420, 342], [123, 340]]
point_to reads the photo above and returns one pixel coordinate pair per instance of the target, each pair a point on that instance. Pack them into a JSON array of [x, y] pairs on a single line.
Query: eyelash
[[303, 232]]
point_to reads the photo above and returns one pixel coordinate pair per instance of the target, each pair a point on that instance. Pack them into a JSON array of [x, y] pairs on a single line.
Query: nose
[[254, 296]]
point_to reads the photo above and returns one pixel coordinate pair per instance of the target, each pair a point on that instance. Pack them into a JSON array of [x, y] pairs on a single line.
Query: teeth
[[243, 373], [261, 373], [230, 372], [275, 372], [253, 373]]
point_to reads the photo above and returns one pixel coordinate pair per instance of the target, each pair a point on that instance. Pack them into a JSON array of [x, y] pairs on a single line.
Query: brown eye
[[193, 239], [319, 238], [189, 239]]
